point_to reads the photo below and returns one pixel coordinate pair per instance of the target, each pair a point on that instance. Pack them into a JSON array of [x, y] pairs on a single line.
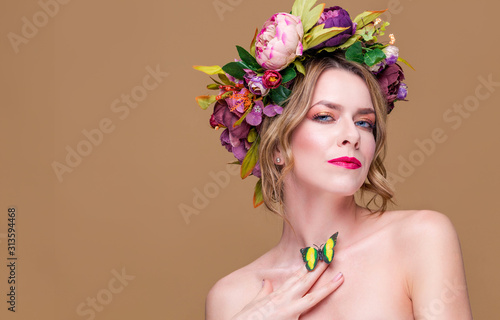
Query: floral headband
[[257, 84]]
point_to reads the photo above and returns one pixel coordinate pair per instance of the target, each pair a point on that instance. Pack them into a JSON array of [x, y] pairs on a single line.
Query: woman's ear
[[278, 159]]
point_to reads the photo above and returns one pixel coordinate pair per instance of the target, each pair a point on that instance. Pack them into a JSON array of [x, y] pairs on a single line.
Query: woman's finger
[[302, 280], [313, 298], [267, 288]]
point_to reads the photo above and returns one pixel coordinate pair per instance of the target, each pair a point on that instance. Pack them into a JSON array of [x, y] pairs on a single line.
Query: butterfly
[[311, 255]]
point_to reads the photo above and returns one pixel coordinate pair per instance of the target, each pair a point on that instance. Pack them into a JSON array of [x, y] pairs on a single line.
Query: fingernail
[[337, 277]]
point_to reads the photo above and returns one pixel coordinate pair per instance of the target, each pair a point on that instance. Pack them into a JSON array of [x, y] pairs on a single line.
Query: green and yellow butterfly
[[311, 255]]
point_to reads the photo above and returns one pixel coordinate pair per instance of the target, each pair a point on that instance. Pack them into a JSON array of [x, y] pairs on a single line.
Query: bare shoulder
[[433, 263], [419, 232], [231, 293], [425, 233], [415, 224]]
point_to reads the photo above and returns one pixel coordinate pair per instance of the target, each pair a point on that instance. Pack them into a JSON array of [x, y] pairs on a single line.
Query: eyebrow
[[338, 107]]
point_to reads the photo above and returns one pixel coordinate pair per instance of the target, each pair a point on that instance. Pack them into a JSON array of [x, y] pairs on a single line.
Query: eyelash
[[317, 116]]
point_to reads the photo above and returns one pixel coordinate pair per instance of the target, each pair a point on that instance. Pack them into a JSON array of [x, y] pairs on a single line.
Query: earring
[[278, 160]]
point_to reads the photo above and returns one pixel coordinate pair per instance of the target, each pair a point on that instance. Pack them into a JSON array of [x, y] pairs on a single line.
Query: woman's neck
[[315, 217]]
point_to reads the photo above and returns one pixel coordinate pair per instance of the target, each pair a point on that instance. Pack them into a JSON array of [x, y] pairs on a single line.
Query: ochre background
[[119, 207]]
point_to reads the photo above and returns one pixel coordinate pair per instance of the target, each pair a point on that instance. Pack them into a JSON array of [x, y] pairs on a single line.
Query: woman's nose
[[348, 134]]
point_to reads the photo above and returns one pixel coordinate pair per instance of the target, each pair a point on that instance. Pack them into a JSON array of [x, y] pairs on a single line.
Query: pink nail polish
[[337, 277]]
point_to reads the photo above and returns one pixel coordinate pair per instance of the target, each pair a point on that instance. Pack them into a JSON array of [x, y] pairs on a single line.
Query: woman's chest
[[374, 286]]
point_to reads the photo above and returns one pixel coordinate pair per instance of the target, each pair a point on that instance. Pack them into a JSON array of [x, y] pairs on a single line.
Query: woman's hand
[[290, 300]]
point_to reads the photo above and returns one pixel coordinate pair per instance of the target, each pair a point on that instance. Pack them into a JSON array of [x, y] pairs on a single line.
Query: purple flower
[[255, 84], [279, 41], [390, 81], [272, 109], [239, 151], [254, 118], [224, 116], [336, 17], [392, 54], [376, 68], [402, 91], [236, 102]]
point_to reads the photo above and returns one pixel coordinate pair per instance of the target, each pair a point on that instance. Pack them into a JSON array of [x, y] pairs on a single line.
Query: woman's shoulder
[[233, 291], [414, 232], [417, 228], [425, 239], [433, 263], [421, 222]]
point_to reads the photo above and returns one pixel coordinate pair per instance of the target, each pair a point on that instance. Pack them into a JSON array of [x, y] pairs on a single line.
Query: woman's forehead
[[341, 88]]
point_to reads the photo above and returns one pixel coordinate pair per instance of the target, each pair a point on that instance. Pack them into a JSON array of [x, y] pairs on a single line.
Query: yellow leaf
[[310, 19], [252, 45], [205, 101], [258, 199], [319, 34], [366, 17], [250, 159], [210, 70], [406, 62]]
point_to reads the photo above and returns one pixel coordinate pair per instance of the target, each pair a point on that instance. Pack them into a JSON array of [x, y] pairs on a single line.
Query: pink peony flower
[[279, 41]]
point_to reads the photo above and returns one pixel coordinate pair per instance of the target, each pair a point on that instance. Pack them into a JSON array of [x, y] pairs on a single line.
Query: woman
[[325, 144]]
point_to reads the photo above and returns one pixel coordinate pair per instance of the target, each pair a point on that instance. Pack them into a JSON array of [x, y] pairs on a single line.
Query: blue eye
[[323, 117], [366, 124]]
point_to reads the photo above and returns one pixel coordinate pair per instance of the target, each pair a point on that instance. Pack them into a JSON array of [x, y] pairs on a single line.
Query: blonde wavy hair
[[276, 134]]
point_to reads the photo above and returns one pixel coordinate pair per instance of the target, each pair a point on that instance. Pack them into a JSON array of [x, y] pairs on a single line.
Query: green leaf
[[366, 17], [205, 101], [288, 74], [320, 34], [234, 69], [280, 94], [355, 53], [352, 40], [213, 86], [312, 17], [308, 15], [240, 120], [210, 70], [250, 159], [248, 59], [374, 56], [220, 84], [299, 66], [382, 28], [368, 32], [226, 80], [252, 135], [258, 199]]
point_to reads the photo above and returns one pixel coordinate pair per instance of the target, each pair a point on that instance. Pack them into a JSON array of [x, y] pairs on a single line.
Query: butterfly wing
[[310, 257], [328, 251]]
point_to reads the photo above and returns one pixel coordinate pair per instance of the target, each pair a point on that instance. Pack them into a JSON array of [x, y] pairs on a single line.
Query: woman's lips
[[346, 162]]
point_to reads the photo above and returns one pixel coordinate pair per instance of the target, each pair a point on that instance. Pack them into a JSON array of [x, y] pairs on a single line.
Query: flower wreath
[[256, 85]]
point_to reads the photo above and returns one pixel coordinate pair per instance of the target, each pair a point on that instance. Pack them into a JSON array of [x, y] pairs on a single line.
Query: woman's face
[[339, 123]]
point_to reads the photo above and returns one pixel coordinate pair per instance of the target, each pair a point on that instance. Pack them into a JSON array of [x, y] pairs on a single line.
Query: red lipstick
[[346, 162]]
